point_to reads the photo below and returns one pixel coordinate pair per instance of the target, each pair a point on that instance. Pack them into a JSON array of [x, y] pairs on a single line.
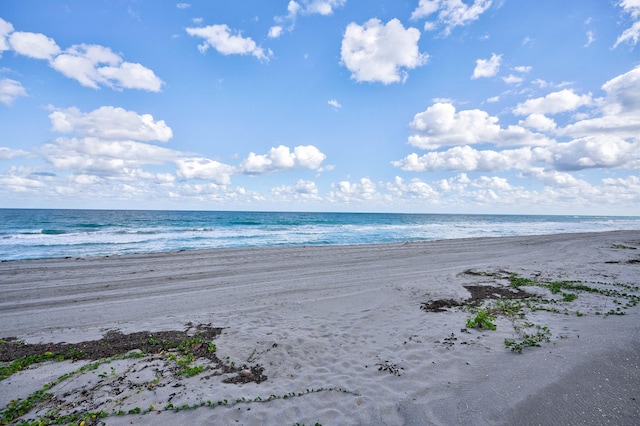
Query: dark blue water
[[36, 234]]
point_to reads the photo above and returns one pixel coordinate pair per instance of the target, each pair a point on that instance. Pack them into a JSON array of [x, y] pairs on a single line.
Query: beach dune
[[343, 334]]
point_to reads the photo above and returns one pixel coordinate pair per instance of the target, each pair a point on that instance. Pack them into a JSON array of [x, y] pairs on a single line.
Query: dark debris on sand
[[479, 293], [115, 343]]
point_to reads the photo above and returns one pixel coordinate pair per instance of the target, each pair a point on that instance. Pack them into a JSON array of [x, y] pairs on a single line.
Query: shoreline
[[347, 320], [319, 245]]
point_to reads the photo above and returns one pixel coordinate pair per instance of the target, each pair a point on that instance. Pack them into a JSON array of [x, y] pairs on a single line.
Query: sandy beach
[[340, 335]]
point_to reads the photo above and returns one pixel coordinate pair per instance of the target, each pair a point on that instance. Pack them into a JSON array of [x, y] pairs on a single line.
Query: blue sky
[[431, 106]]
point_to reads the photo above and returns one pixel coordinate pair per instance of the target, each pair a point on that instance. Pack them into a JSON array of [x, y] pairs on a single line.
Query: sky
[[425, 106]]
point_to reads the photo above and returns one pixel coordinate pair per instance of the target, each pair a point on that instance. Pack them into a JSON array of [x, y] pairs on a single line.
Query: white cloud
[[623, 92], [275, 31], [523, 69], [440, 125], [183, 5], [33, 45], [553, 103], [465, 158], [538, 122], [321, 7], [429, 26], [282, 159], [620, 110], [5, 29], [377, 52], [415, 188], [334, 103], [94, 65], [555, 178], [303, 7], [631, 34], [603, 151], [456, 183], [579, 154], [302, 189], [220, 37], [110, 123], [632, 7], [347, 192], [512, 79], [102, 157], [590, 39], [128, 75], [204, 169], [9, 153], [10, 90], [630, 185], [528, 41], [487, 67], [452, 13], [493, 183]]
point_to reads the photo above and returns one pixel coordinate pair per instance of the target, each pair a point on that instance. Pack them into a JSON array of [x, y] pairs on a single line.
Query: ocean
[[41, 234]]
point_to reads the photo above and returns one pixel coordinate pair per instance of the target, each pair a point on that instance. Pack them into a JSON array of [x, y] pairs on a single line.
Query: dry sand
[[340, 332]]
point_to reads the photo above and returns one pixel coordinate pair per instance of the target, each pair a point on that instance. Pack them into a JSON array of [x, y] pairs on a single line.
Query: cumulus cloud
[[578, 154], [553, 103], [9, 153], [415, 188], [440, 125], [281, 159], [94, 65], [602, 151], [377, 52], [102, 157], [487, 67], [302, 189], [451, 13], [10, 90], [334, 103], [37, 46], [554, 178], [466, 158], [347, 192], [91, 65], [223, 39], [108, 143], [513, 79], [608, 138], [110, 123], [539, 122], [275, 31], [620, 110], [623, 92], [204, 169], [183, 5]]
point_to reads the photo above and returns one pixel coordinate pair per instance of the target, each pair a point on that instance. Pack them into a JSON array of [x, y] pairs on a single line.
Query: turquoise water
[[37, 234]]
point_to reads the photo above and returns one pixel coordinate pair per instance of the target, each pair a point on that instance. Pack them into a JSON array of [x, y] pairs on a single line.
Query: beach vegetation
[[482, 320], [622, 246], [18, 407], [515, 306]]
